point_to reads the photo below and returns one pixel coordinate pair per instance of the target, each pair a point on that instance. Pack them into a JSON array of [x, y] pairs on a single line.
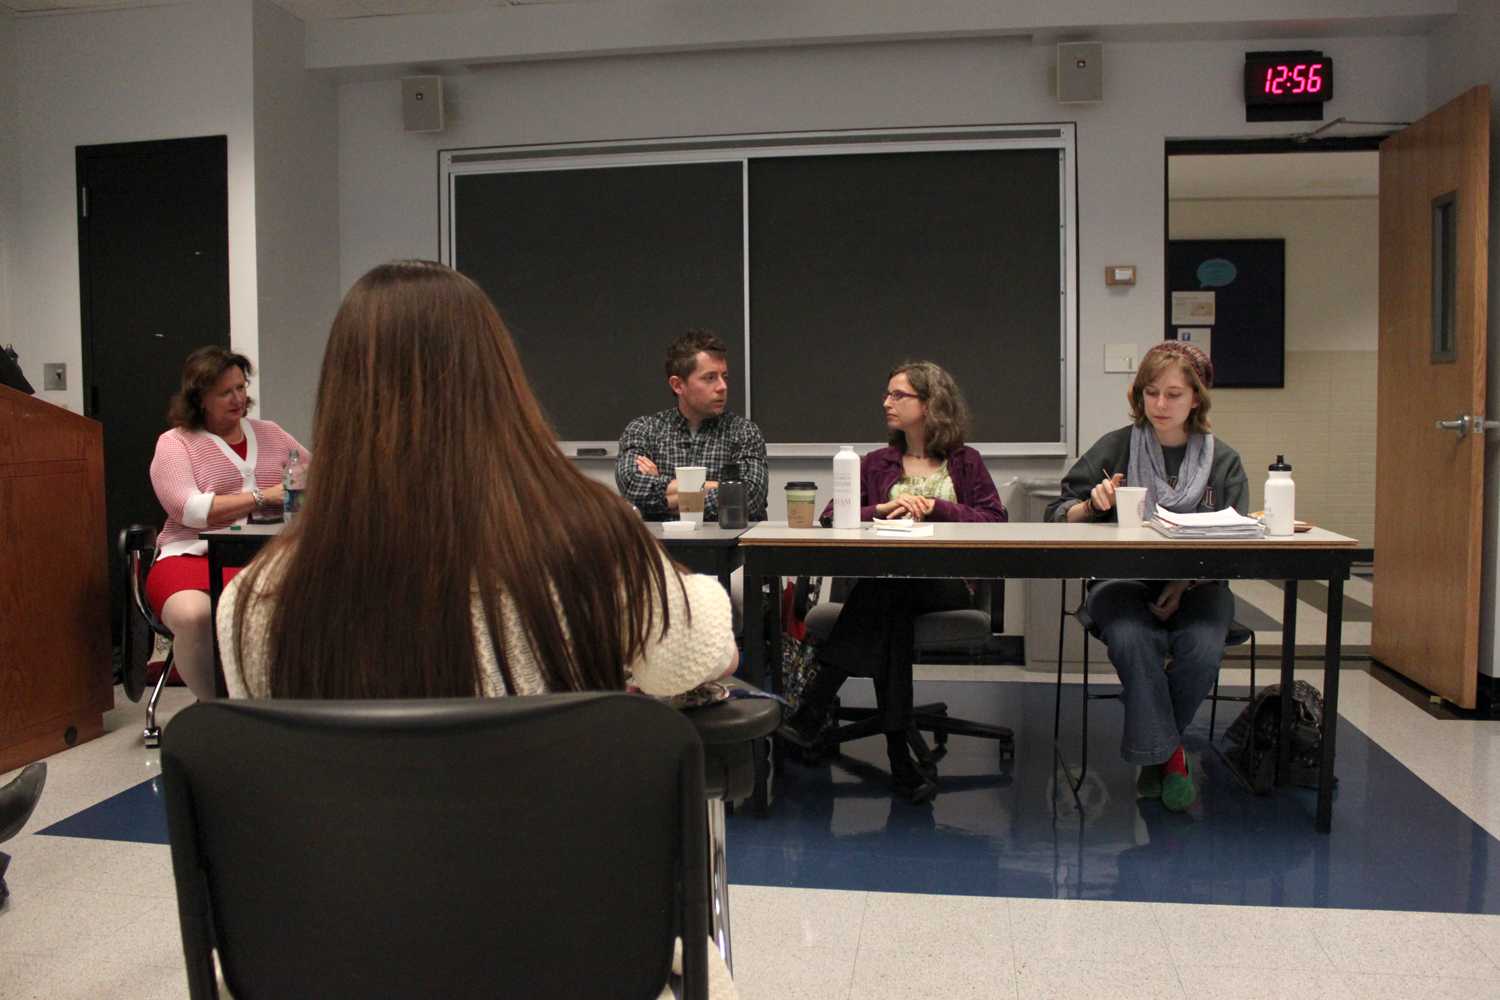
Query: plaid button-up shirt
[[667, 440]]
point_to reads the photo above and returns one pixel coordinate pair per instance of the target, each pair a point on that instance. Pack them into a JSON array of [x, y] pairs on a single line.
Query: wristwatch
[[258, 497]]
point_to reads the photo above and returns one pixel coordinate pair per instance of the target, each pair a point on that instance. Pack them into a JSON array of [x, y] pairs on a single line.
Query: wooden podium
[[55, 682]]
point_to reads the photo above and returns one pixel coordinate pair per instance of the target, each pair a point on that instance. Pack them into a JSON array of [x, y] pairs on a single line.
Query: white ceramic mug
[[1129, 504], [690, 480]]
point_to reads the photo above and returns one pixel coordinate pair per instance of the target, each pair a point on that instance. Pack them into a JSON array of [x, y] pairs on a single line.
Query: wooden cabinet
[[55, 678]]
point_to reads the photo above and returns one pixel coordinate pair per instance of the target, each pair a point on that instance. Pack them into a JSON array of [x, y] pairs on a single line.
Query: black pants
[[874, 635]]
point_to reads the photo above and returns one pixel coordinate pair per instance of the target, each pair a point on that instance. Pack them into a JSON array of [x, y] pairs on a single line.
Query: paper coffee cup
[[690, 479], [1129, 504], [801, 504]]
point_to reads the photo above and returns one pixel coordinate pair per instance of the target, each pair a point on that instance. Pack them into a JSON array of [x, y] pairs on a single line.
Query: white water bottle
[[1281, 499], [846, 488]]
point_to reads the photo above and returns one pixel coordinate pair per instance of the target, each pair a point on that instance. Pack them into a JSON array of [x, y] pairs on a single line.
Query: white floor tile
[[1382, 942], [1375, 987], [955, 926], [771, 917], [1051, 931], [1240, 936], [1263, 984], [1096, 980], [792, 973], [920, 973]]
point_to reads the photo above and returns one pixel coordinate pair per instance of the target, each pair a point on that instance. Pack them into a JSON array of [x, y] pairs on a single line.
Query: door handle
[[1464, 423]]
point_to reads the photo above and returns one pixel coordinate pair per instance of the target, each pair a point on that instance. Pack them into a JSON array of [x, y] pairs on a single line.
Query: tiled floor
[[1405, 907]]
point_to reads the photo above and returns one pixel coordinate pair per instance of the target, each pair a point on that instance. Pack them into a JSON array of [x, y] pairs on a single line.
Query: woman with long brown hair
[[446, 547], [926, 473]]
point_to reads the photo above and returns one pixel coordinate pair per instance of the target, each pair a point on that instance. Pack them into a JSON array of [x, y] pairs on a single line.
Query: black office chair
[[967, 628], [1237, 635], [734, 734], [137, 549], [548, 846]]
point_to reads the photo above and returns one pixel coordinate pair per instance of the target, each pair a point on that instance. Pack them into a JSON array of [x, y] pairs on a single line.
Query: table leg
[[215, 591], [753, 629], [1288, 661], [1332, 648]]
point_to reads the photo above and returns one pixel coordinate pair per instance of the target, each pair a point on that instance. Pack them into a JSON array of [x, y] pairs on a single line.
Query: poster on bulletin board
[[1229, 297]]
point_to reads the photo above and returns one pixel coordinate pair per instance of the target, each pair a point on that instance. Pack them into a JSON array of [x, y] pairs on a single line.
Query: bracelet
[[258, 497]]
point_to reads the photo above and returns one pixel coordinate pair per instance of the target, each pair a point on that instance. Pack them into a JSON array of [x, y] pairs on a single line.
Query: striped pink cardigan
[[191, 467]]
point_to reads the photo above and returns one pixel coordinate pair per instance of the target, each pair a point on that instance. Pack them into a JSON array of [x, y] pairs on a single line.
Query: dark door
[[153, 258]]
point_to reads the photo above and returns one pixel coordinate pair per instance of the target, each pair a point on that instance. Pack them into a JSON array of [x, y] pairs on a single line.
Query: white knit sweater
[[690, 652]]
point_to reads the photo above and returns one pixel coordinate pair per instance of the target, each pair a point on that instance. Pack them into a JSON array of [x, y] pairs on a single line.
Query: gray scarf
[[1148, 468]]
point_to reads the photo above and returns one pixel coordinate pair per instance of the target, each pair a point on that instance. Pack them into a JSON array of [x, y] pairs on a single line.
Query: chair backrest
[[137, 550], [550, 846]]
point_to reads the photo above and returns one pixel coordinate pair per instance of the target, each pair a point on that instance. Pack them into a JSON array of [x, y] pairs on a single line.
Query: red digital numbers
[[1302, 78]]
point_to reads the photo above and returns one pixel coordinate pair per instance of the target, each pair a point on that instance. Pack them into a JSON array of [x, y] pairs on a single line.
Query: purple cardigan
[[977, 498]]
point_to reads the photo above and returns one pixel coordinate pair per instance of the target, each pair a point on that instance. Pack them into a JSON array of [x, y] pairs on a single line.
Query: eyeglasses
[[898, 395]]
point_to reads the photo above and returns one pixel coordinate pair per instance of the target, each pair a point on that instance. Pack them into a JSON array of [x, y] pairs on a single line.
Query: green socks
[[1177, 791]]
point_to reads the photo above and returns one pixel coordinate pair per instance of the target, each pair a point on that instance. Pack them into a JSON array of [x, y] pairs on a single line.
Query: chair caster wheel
[[153, 737]]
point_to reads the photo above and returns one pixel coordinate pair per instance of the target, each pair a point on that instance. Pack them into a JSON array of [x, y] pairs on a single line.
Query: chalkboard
[[852, 262], [595, 271], [1231, 293], [858, 263]]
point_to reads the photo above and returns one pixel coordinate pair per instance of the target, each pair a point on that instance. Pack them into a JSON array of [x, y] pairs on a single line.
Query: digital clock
[[1287, 86]]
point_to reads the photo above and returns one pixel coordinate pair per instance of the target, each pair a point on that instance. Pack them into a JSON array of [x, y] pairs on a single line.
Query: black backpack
[[1254, 736]]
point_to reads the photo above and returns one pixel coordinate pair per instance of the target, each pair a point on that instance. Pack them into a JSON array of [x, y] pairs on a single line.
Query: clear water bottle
[[732, 512], [293, 483]]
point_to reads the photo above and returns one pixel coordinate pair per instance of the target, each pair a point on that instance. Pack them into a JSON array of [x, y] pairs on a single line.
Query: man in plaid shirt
[[697, 431]]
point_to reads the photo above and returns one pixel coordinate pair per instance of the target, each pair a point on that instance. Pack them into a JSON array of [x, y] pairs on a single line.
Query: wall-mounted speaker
[[1080, 72], [422, 103]]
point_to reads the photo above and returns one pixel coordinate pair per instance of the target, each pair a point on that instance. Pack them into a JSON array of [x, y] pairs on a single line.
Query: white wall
[[1463, 55], [1332, 260], [296, 218], [1153, 91], [121, 76], [9, 187]]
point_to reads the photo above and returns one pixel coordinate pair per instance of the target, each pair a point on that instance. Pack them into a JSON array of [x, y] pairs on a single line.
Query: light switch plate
[[54, 375], [1119, 357]]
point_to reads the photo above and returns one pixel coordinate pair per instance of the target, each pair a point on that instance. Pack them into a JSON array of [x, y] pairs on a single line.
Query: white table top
[[1032, 535]]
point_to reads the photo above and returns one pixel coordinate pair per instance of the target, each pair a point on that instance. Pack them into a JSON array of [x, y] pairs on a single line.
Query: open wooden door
[[1430, 430]]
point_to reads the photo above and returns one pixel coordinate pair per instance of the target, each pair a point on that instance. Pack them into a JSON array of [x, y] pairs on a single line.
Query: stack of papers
[[901, 528], [1210, 524]]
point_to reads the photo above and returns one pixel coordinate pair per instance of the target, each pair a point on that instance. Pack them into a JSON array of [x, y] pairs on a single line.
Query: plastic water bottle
[[1281, 499], [293, 483], [732, 512], [846, 488]]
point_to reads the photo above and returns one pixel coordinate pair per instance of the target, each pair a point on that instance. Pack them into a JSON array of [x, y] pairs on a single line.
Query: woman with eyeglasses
[[925, 473]]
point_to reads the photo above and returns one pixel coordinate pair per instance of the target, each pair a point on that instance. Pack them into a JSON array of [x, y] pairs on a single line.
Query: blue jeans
[[1160, 703]]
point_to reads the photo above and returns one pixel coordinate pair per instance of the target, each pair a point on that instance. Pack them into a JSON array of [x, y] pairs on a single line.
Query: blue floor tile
[[1017, 831], [137, 814], [1396, 843]]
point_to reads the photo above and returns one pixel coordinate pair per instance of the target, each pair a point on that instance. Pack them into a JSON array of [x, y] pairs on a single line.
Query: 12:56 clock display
[[1293, 78]]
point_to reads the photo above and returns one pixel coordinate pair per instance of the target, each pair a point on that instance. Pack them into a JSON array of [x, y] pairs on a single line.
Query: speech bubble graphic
[[1216, 273]]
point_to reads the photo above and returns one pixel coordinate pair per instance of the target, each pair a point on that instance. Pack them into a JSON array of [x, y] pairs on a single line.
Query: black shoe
[[907, 779], [18, 798], [804, 728]]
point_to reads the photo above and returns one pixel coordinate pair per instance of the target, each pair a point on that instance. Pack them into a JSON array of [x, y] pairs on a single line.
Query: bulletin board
[[1229, 296]]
